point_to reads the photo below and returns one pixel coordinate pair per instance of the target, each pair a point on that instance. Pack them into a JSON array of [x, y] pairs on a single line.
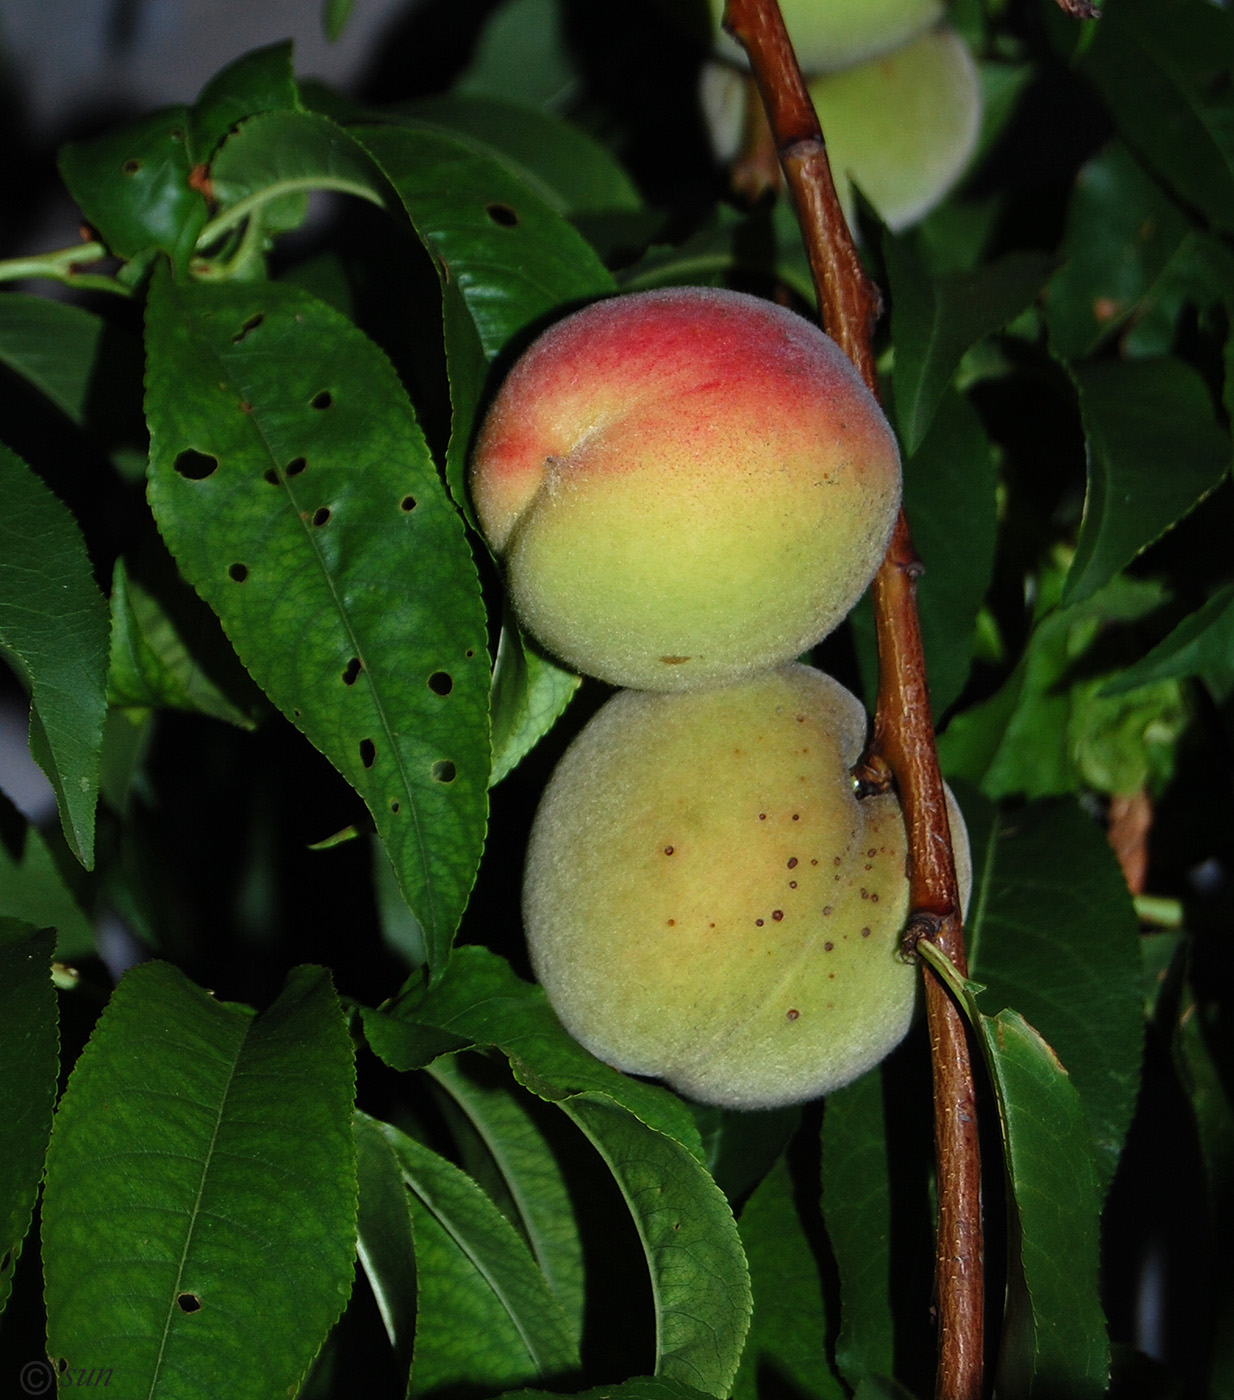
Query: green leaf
[[857, 1211], [29, 1060], [53, 345], [1052, 932], [1162, 67], [485, 1316], [935, 320], [33, 889], [194, 1145], [53, 628], [785, 1351], [269, 163], [132, 184], [151, 664], [1201, 645], [1055, 1339], [334, 17], [949, 493], [568, 169], [1038, 735], [384, 1240], [637, 1388], [1155, 450], [522, 54], [699, 1279], [293, 485], [259, 81], [504, 1117], [480, 1001], [506, 260], [530, 692], [1122, 231]]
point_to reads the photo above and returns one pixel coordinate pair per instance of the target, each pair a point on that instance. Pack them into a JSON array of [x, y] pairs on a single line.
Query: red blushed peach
[[686, 486]]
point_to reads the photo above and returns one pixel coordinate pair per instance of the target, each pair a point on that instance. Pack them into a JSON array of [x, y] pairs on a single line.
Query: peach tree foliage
[[325, 1138]]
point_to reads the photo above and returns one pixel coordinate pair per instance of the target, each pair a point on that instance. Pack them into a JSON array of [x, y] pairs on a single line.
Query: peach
[[831, 34], [902, 128], [708, 901], [686, 486]]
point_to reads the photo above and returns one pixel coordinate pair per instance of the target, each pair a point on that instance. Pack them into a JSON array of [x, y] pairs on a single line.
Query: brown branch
[[903, 739]]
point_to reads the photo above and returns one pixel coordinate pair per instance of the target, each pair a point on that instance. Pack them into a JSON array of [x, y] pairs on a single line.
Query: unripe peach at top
[[708, 901], [832, 34], [903, 127], [686, 486]]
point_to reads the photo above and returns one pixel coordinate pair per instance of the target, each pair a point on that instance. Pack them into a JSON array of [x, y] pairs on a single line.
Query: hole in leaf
[[322, 400], [238, 573], [295, 466], [188, 1302], [272, 477], [131, 166], [441, 683], [5, 1262], [62, 1364], [250, 325], [408, 503], [443, 771], [469, 653], [502, 214], [394, 807], [352, 671], [194, 465], [368, 752], [321, 515]]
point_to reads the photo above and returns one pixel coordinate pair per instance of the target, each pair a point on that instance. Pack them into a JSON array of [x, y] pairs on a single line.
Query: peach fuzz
[[707, 900], [686, 486]]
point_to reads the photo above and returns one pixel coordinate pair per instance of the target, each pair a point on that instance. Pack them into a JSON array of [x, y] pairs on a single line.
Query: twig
[[64, 265], [903, 741]]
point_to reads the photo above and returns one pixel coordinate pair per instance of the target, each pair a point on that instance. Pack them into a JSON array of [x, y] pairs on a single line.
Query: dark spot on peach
[[826, 910], [813, 861], [827, 947], [668, 850], [865, 933], [792, 862], [872, 852], [675, 660], [874, 899], [672, 923], [758, 923], [792, 1013], [792, 884], [777, 914], [796, 816], [762, 816], [836, 861]]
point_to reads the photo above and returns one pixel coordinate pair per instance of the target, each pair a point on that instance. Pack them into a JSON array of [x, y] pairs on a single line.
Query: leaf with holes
[[132, 184], [29, 1058], [293, 485], [195, 1144], [53, 628], [514, 260]]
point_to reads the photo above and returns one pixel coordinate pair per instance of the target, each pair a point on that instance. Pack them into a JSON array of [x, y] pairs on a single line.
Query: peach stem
[[903, 742]]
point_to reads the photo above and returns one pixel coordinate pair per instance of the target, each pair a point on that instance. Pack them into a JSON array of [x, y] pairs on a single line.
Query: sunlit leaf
[[194, 1144]]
